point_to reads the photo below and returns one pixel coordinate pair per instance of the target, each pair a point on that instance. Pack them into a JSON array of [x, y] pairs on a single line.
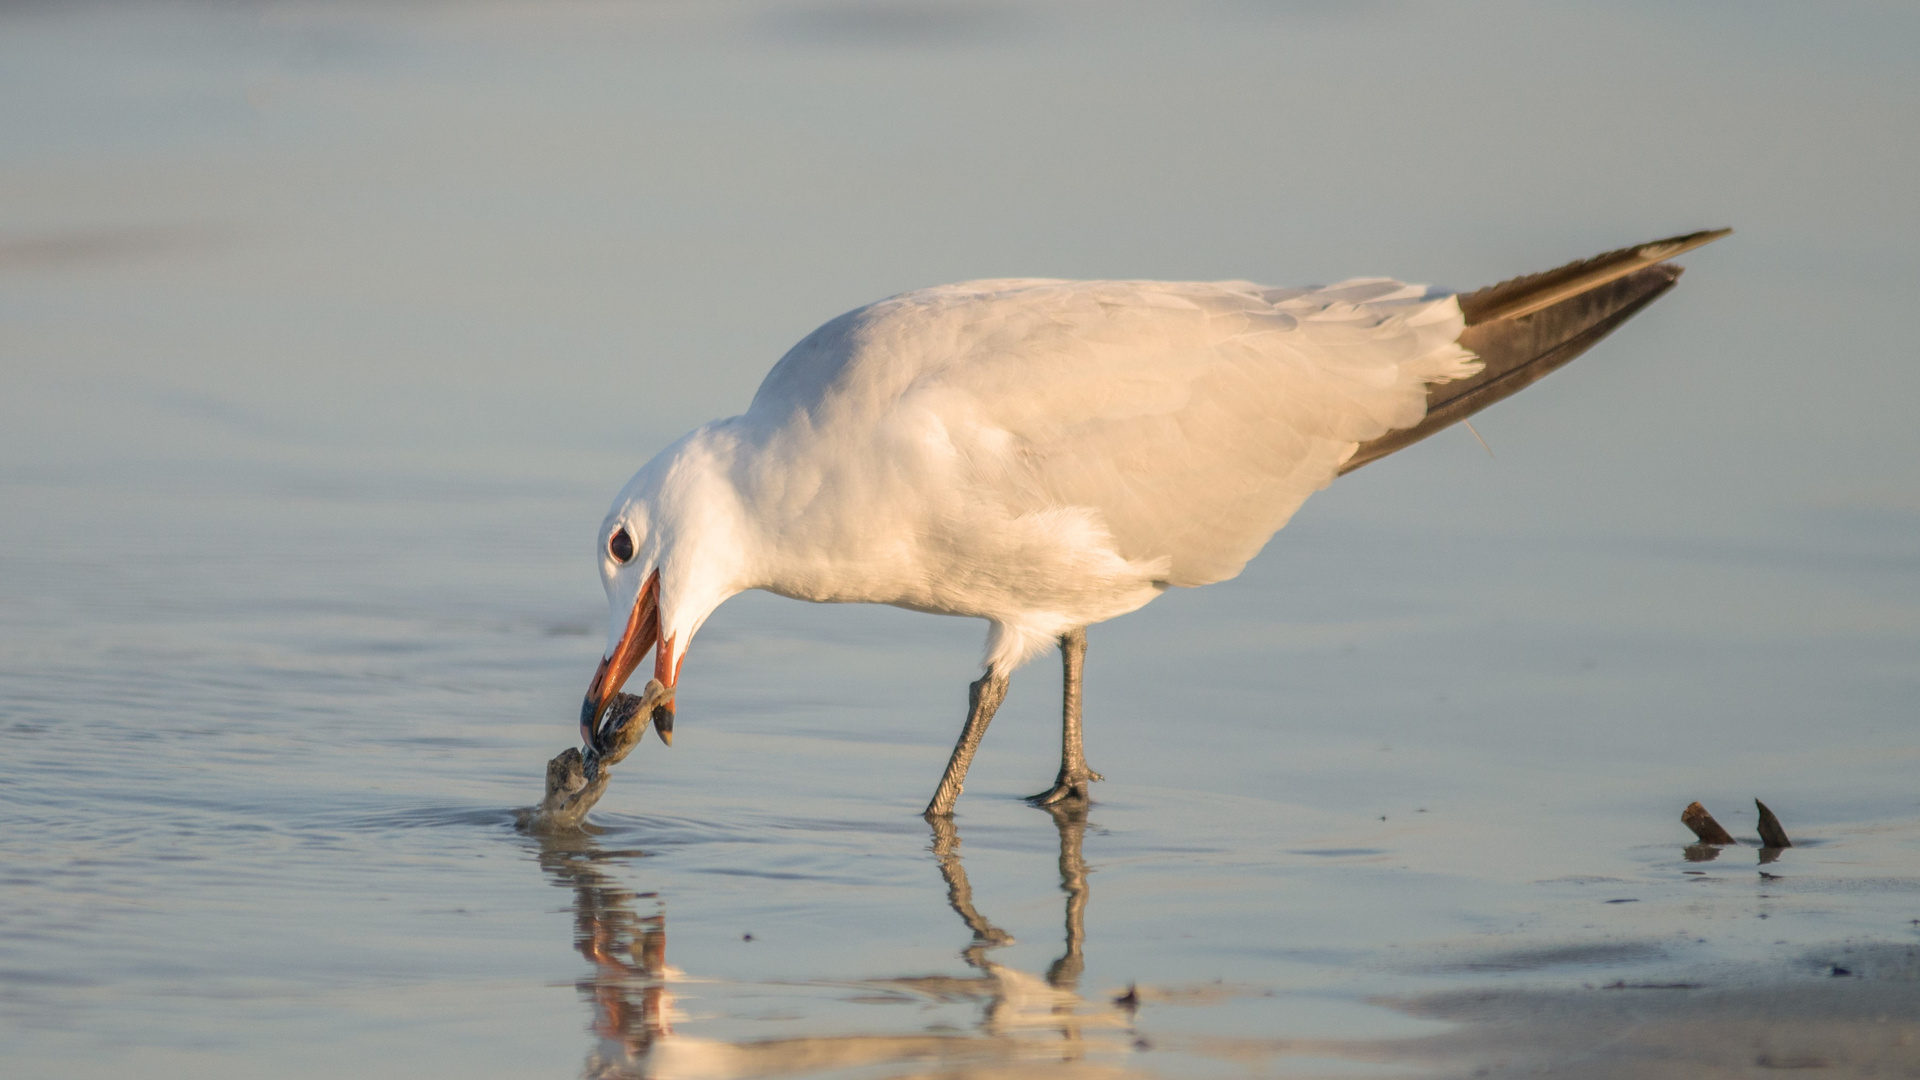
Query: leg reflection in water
[[633, 1005], [1064, 975], [1015, 1000], [1072, 823]]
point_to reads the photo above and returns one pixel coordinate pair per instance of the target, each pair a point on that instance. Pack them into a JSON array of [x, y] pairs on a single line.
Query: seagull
[[1047, 454]]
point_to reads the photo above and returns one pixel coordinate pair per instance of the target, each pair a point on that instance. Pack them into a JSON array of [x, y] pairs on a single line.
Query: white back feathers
[[1049, 454]]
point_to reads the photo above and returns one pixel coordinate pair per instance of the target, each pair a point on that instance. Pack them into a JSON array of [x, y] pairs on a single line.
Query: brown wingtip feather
[[1522, 296], [1524, 328]]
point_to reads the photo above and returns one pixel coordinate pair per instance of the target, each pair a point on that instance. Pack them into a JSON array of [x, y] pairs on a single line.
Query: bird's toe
[[1067, 789]]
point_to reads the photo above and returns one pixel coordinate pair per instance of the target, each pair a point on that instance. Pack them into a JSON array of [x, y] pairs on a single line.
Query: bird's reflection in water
[[633, 1003], [628, 952], [1013, 998]]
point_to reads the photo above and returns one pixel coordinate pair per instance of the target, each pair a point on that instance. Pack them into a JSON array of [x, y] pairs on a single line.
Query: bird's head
[[668, 557], [630, 571]]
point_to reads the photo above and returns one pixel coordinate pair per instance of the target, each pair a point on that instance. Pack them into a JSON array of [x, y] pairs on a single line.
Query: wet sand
[[1848, 1008], [291, 840]]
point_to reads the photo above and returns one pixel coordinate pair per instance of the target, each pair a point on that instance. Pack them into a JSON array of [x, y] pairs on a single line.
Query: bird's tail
[[1524, 328]]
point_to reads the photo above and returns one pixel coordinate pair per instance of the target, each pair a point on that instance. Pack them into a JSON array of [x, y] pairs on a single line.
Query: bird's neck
[[751, 509], [706, 547]]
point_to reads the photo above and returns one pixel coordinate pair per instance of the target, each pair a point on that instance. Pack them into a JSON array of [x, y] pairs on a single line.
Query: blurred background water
[[329, 331]]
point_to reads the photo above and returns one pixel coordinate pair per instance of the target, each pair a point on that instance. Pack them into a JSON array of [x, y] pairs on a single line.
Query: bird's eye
[[620, 546]]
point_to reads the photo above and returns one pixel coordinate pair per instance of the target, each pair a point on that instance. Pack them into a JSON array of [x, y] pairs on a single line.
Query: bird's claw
[[1069, 787]]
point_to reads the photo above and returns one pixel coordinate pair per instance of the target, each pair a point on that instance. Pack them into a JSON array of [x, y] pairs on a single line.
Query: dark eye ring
[[620, 546]]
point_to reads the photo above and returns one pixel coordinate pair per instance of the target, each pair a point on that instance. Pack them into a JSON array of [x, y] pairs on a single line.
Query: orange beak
[[643, 630], [666, 668]]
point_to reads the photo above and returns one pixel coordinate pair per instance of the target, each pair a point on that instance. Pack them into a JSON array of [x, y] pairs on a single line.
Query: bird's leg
[[1074, 774], [983, 697]]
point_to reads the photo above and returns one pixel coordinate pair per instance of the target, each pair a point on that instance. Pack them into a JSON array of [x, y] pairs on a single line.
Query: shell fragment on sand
[[1771, 834], [1709, 831]]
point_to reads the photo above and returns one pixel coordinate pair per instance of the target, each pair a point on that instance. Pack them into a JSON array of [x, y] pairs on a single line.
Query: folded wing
[[1192, 418]]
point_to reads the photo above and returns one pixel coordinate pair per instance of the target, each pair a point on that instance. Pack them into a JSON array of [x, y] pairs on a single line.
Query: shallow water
[[331, 330]]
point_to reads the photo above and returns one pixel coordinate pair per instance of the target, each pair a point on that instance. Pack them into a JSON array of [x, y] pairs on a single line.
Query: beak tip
[[589, 715]]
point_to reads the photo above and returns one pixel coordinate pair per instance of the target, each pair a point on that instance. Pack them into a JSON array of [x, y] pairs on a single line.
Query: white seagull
[[1046, 455]]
